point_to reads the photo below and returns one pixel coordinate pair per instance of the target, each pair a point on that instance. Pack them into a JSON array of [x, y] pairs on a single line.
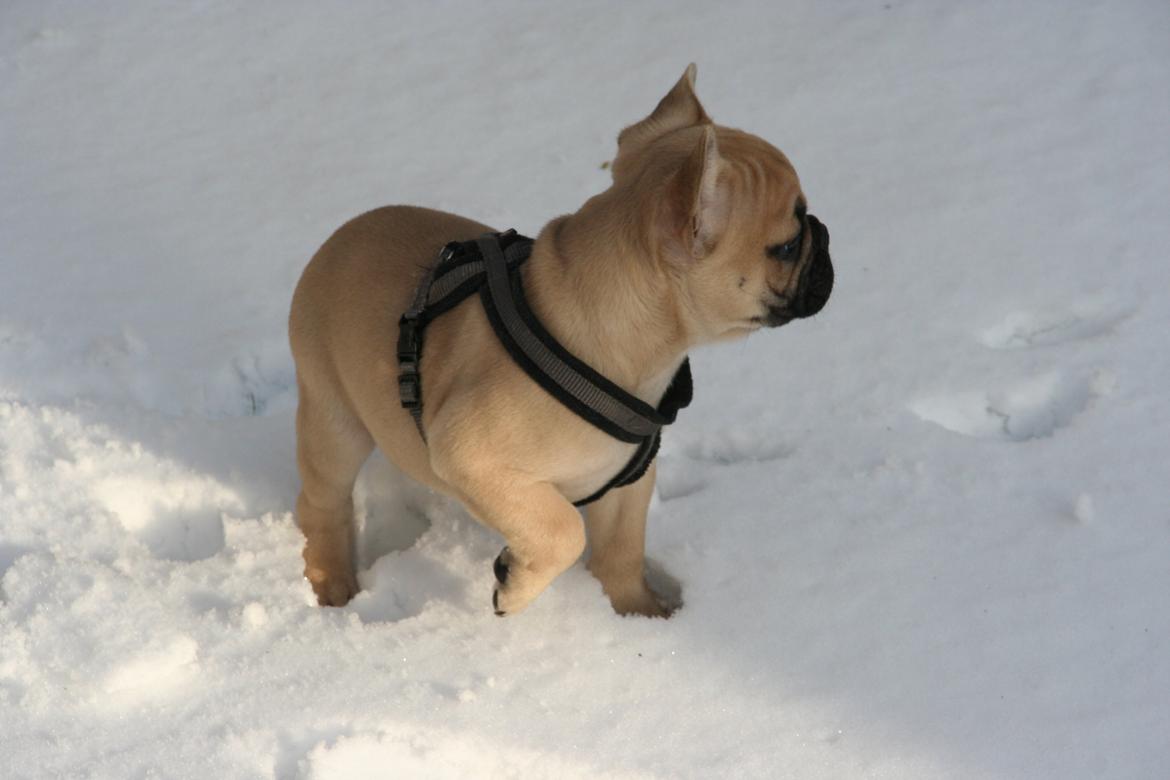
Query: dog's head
[[723, 213]]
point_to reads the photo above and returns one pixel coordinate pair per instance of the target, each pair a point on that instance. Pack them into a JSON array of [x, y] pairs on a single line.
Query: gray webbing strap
[[410, 349], [422, 293], [500, 289], [445, 284]]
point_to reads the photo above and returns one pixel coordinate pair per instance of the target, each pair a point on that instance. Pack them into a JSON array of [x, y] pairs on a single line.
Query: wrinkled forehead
[[765, 201], [764, 182]]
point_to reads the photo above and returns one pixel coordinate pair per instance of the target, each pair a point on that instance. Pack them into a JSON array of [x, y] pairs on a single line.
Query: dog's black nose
[[816, 282]]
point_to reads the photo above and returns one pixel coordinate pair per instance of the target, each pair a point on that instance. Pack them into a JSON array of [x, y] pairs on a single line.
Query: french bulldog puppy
[[703, 236]]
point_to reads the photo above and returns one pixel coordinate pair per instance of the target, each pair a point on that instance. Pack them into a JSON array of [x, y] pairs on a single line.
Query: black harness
[[491, 265]]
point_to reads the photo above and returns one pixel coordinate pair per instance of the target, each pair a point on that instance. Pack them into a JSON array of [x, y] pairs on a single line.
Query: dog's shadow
[[399, 570], [388, 511], [666, 586]]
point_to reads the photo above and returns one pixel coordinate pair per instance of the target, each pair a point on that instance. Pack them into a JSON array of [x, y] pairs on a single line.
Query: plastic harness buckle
[[409, 343]]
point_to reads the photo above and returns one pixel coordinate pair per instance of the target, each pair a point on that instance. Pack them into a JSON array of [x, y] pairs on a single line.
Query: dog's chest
[[593, 461], [589, 471]]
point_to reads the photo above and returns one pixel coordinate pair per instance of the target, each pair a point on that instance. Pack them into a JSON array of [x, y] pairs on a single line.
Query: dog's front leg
[[543, 531], [617, 536]]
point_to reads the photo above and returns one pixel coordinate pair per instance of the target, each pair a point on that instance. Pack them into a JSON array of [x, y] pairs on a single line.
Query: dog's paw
[[332, 589], [639, 601], [506, 597], [516, 586]]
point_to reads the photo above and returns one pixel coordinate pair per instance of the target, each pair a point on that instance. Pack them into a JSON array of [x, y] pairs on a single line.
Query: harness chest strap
[[490, 265]]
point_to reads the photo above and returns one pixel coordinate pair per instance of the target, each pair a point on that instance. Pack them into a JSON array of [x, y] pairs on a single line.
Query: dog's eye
[[785, 251]]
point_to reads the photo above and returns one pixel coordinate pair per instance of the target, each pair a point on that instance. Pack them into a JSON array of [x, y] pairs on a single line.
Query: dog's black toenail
[[500, 568]]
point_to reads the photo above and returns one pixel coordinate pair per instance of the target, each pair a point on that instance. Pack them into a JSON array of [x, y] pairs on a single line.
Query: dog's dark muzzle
[[816, 279]]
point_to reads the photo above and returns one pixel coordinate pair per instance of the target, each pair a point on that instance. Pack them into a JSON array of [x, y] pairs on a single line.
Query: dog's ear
[[700, 202], [680, 108]]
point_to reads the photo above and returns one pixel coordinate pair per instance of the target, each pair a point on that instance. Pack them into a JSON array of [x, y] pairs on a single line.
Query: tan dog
[[701, 237]]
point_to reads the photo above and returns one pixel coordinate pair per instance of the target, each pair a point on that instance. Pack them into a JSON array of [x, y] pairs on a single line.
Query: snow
[[923, 535]]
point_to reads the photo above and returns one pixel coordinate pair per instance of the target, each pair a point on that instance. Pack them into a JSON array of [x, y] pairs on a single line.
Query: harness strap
[[443, 285], [459, 273], [410, 347], [573, 387]]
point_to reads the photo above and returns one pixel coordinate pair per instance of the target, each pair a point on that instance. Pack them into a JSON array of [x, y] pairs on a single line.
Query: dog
[[703, 236]]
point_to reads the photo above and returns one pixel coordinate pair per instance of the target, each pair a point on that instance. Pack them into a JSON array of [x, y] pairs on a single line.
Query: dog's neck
[[591, 288]]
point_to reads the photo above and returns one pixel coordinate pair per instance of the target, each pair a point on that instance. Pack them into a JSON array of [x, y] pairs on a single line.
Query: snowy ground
[[925, 535]]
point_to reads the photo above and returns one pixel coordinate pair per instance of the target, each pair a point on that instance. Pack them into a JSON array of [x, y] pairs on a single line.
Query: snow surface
[[924, 535]]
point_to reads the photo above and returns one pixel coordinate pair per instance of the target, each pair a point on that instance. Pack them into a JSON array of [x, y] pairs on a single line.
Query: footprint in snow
[[683, 476], [678, 478], [259, 381], [730, 448], [178, 516], [1023, 330], [1028, 409], [1038, 406]]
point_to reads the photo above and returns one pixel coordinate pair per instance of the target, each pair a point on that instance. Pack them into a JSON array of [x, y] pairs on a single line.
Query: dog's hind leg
[[617, 537], [332, 444]]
